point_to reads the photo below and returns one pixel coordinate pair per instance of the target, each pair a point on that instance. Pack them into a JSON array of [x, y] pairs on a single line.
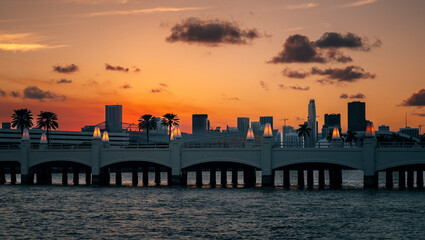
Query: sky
[[227, 59]]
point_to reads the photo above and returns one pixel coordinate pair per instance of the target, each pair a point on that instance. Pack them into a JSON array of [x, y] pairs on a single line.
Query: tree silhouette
[[22, 118], [351, 137], [48, 121], [169, 120], [304, 131], [147, 122]]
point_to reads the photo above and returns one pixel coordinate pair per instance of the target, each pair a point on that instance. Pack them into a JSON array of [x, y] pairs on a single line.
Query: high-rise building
[[266, 119], [286, 130], [384, 128], [5, 125], [331, 121], [312, 123], [113, 118], [357, 116], [413, 132], [199, 123], [243, 124], [256, 126]]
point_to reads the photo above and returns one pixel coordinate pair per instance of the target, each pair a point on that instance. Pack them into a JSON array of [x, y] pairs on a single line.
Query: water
[[76, 212]]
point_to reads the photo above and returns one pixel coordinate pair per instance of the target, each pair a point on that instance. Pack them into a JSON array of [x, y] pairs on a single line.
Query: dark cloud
[[419, 114], [126, 86], [231, 99], [281, 86], [2, 93], [163, 84], [33, 92], [295, 74], [15, 94], [349, 40], [358, 96], [296, 87], [116, 68], [211, 32], [340, 75], [264, 85], [65, 69], [343, 96], [63, 80], [135, 69], [156, 90], [298, 48], [417, 99]]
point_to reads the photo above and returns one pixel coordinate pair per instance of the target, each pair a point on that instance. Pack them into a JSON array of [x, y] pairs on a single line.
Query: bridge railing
[[319, 145], [10, 147], [401, 145], [153, 145], [61, 146], [220, 145]]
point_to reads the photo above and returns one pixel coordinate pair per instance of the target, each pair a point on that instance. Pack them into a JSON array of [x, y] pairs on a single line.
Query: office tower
[[331, 121], [199, 123], [356, 116], [384, 128], [5, 125], [286, 130], [266, 119], [256, 126], [312, 123], [113, 118], [243, 124], [413, 132]]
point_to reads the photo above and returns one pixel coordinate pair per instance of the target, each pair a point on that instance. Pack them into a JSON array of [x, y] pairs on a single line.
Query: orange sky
[[215, 76]]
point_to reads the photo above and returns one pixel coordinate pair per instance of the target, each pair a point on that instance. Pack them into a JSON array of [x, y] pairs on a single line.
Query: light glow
[[43, 139], [26, 135], [250, 135], [96, 133], [335, 134], [370, 130], [176, 133], [105, 137], [268, 130]]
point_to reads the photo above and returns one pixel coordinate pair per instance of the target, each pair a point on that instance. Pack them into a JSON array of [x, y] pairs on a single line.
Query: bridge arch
[[318, 164], [220, 161]]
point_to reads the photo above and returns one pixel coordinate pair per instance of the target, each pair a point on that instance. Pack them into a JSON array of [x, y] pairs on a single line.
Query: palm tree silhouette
[[47, 120], [351, 136], [304, 131], [169, 120], [147, 122], [22, 118]]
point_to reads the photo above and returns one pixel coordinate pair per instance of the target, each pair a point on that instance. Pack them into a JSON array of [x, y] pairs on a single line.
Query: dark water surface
[[173, 213]]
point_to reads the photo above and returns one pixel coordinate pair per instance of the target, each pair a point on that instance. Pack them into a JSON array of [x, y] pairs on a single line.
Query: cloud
[[116, 68], [2, 93], [264, 85], [23, 42], [211, 32], [343, 96], [417, 99], [302, 6], [135, 69], [359, 3], [156, 90], [419, 114], [299, 49], [349, 40], [33, 92], [66, 69], [231, 99], [296, 87], [358, 96], [16, 47], [347, 74], [63, 80], [163, 84], [126, 86], [295, 74], [143, 11], [15, 94]]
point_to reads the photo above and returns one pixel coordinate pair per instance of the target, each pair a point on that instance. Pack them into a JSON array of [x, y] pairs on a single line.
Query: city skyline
[[74, 57]]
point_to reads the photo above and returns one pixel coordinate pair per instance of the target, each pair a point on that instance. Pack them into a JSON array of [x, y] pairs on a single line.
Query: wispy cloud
[[23, 42], [302, 6], [359, 3], [143, 11]]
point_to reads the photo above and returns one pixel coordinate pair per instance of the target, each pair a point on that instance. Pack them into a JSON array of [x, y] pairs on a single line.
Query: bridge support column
[[321, 179], [88, 176], [249, 177], [235, 177], [420, 179], [2, 176], [402, 179], [213, 178], [301, 179], [410, 179], [389, 179], [286, 178], [310, 180], [198, 178], [64, 176], [267, 178], [145, 176], [76, 176], [177, 176], [370, 180], [118, 176], [13, 175], [134, 176], [49, 176], [223, 181], [183, 178], [157, 176], [169, 177]]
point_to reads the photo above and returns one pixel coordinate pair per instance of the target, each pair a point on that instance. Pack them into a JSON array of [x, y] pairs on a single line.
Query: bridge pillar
[[183, 178], [310, 180], [402, 179], [169, 177], [13, 175], [145, 176], [98, 176], [321, 179], [369, 145], [2, 176], [118, 176], [176, 149], [223, 181], [420, 179], [158, 176], [249, 177], [134, 176], [198, 177], [88, 176], [212, 177], [286, 178], [64, 176], [389, 179], [24, 161], [76, 176], [235, 177], [410, 179], [300, 176], [266, 162]]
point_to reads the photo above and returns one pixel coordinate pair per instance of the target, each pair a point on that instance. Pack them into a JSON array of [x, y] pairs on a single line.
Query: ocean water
[[87, 212]]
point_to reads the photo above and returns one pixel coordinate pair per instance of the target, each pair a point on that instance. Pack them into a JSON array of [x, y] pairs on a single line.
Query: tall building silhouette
[[243, 124], [331, 121], [312, 123], [357, 116], [266, 119], [199, 123], [113, 118]]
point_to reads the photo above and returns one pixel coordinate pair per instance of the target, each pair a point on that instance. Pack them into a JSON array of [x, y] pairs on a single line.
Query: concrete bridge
[[177, 159]]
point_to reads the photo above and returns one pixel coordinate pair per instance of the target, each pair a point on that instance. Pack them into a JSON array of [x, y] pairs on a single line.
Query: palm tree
[[22, 118], [147, 122], [304, 131], [47, 120], [169, 120], [351, 136]]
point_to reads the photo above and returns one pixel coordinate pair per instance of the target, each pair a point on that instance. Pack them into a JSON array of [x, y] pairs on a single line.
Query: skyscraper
[[199, 123], [243, 124], [113, 118], [312, 123], [331, 121], [266, 119], [356, 116]]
